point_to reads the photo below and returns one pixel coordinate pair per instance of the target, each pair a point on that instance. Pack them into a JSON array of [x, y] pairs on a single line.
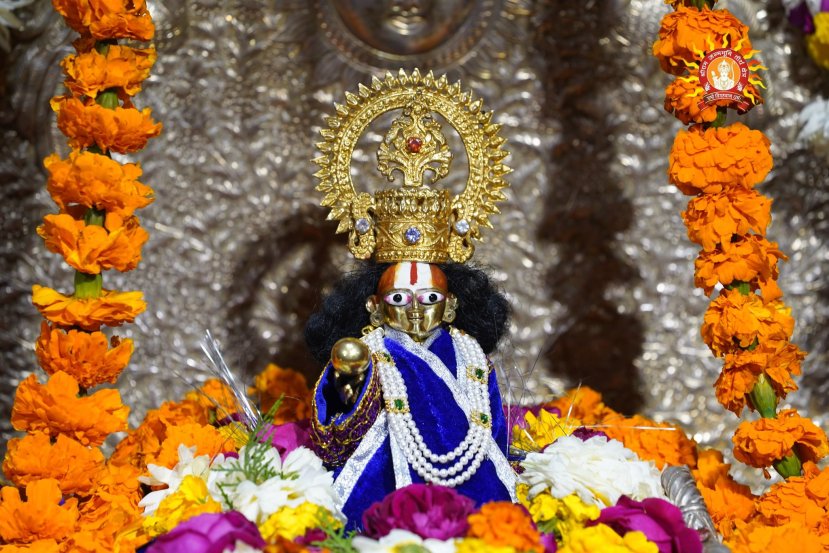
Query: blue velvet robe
[[377, 466]]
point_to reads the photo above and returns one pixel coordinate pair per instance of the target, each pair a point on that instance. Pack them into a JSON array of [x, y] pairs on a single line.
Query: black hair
[[482, 310]]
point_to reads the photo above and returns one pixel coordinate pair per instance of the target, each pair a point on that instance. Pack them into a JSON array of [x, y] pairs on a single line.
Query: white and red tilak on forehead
[[412, 276]]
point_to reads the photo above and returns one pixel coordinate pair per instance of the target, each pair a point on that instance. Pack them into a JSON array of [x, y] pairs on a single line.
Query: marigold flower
[[475, 545], [662, 443], [735, 320], [713, 219], [107, 19], [94, 180], [207, 440], [800, 499], [817, 43], [293, 522], [501, 523], [112, 308], [779, 359], [751, 259], [688, 33], [554, 515], [85, 356], [727, 500], [44, 515], [114, 503], [762, 442], [91, 249], [123, 129], [682, 98], [123, 68], [144, 442], [55, 408], [757, 537], [718, 158], [34, 457], [603, 538], [215, 396], [582, 403], [275, 382]]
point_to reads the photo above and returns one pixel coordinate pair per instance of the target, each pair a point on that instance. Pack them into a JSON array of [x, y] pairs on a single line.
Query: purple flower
[[583, 433], [515, 413], [287, 437], [549, 542], [430, 511], [802, 18], [209, 533], [659, 520]]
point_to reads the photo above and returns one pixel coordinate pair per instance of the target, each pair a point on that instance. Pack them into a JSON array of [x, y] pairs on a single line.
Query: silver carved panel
[[590, 247]]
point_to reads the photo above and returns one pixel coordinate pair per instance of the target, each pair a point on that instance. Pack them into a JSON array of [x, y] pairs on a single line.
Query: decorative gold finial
[[415, 222], [413, 145]]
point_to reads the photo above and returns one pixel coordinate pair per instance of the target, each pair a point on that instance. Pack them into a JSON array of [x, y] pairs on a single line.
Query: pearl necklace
[[457, 466]]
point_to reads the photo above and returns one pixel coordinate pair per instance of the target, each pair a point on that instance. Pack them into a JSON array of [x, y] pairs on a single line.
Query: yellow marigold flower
[[735, 320], [275, 382], [55, 408], [95, 180], [817, 44], [107, 19], [542, 430], [718, 158], [760, 443], [475, 545], [91, 249], [85, 356], [75, 467], [603, 538], [42, 516], [123, 129], [90, 73], [561, 516], [191, 499], [293, 522], [112, 308]]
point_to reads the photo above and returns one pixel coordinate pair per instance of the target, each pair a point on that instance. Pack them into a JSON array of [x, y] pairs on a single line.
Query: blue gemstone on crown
[[412, 235]]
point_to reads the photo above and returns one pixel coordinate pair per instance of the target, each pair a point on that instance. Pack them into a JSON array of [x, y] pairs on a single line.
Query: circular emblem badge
[[723, 75]]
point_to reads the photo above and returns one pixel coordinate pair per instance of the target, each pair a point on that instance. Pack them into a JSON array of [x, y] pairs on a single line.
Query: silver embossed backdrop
[[590, 247]]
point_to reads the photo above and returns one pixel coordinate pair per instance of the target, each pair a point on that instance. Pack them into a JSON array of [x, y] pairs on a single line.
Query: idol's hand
[[349, 357]]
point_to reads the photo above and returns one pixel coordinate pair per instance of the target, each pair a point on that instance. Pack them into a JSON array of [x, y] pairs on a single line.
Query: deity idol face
[[413, 298]]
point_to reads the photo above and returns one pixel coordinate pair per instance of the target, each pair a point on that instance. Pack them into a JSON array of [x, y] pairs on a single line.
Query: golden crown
[[414, 222]]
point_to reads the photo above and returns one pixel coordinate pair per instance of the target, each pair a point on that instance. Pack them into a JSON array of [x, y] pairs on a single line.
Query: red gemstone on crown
[[413, 144]]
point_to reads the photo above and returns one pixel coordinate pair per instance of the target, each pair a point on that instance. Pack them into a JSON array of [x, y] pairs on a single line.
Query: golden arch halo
[[479, 135]]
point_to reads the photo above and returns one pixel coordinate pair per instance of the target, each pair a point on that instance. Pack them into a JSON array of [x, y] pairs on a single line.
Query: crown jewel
[[414, 222]]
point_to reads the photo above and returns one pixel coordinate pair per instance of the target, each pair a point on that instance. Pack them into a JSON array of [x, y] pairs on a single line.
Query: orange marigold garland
[[747, 324], [95, 230]]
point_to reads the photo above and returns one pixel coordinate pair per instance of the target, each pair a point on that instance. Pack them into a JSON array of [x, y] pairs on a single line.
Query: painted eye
[[398, 299], [430, 298]]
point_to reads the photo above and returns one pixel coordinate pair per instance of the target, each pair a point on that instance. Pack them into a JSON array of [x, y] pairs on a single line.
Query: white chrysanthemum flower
[[397, 540], [187, 465], [258, 483], [598, 470]]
